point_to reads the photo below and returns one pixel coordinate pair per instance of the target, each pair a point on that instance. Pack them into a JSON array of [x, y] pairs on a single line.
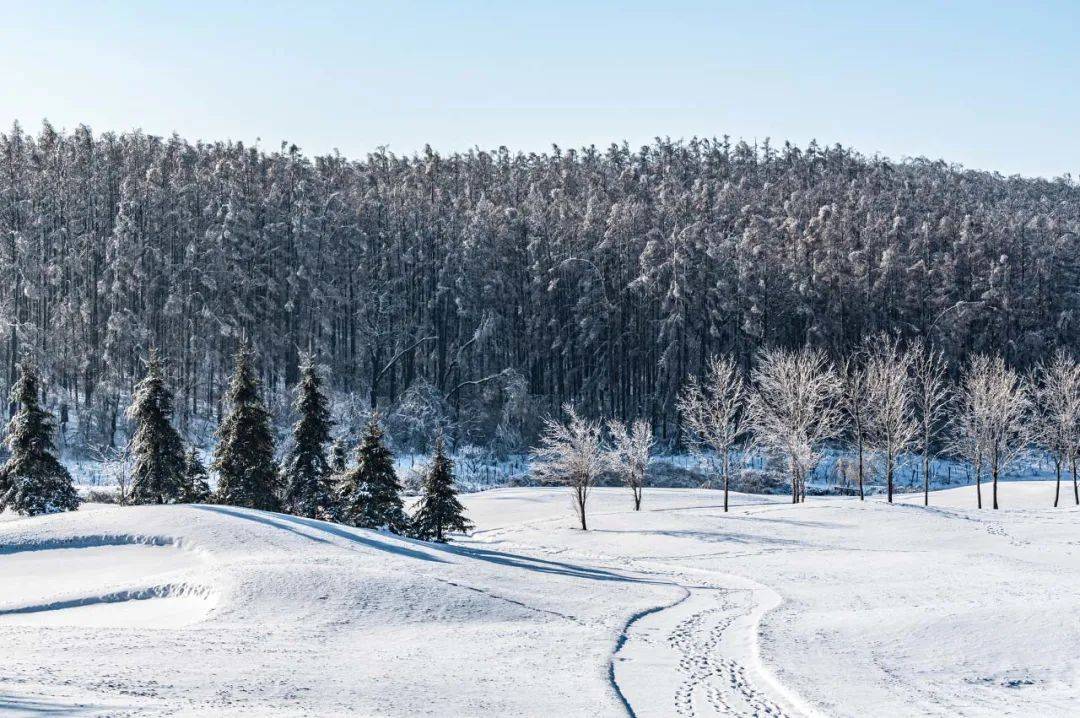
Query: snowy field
[[833, 607]]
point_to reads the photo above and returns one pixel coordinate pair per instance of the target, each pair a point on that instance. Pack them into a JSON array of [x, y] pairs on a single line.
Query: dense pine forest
[[480, 291]]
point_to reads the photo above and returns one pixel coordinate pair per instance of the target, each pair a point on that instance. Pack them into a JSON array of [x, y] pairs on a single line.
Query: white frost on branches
[[571, 453]]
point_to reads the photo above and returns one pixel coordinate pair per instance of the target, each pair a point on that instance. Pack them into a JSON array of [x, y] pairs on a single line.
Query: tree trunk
[[580, 498], [1076, 489], [862, 496], [1057, 487], [926, 479], [995, 486], [978, 487], [726, 467]]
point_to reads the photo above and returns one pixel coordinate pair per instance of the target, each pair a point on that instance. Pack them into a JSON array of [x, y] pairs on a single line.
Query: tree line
[[886, 403], [487, 289], [313, 481]]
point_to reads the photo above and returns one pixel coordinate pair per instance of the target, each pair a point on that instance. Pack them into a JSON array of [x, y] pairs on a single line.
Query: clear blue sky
[[993, 85]]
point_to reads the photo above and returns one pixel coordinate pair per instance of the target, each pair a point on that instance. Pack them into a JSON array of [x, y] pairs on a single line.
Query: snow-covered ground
[[833, 607]]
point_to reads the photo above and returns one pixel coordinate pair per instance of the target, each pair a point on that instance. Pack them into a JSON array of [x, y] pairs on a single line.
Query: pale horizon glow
[[991, 88]]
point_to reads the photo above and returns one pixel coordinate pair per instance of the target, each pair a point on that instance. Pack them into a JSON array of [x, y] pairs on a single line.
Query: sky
[[991, 85]]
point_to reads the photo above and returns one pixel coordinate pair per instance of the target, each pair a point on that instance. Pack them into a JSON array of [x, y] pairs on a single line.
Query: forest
[[478, 292]]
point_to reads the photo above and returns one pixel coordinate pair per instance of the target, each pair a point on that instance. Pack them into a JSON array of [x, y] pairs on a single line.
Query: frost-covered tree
[[244, 456], [713, 412], [1055, 388], [853, 400], [370, 494], [891, 427], [599, 276], [631, 448], [993, 424], [439, 512], [196, 487], [571, 453], [932, 396], [794, 409], [32, 480], [157, 451], [307, 474]]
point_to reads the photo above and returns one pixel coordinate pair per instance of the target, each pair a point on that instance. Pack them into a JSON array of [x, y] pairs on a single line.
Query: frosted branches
[[713, 413], [571, 453]]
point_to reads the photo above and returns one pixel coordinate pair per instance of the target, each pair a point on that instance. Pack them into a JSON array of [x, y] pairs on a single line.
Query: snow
[[832, 607]]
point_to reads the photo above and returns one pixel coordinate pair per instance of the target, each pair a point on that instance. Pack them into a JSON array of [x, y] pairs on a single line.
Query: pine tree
[[196, 488], [157, 476], [439, 511], [307, 473], [32, 480], [338, 461], [244, 456], [371, 494]]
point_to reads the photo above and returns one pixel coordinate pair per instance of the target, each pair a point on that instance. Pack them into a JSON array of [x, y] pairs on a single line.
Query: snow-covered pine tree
[[32, 480], [439, 511], [196, 488], [370, 493], [157, 476], [338, 460], [308, 489], [244, 456]]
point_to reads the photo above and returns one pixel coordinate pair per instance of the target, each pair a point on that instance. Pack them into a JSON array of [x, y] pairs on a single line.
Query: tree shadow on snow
[[538, 565], [26, 706], [369, 539]]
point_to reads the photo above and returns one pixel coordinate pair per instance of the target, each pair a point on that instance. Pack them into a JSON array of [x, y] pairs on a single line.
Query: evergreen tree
[[32, 480], [371, 494], [439, 511], [244, 456], [338, 460], [196, 488], [307, 472], [158, 473]]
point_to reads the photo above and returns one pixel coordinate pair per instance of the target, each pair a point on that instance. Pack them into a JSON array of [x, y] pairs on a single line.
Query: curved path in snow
[[699, 657]]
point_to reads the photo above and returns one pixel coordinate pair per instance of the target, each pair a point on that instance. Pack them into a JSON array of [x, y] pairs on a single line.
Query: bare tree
[[930, 391], [1055, 388], [713, 412], [853, 402], [794, 409], [971, 420], [571, 453], [891, 428], [993, 420], [632, 443]]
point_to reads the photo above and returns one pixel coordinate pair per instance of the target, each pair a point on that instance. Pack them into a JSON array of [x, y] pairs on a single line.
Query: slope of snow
[[834, 607]]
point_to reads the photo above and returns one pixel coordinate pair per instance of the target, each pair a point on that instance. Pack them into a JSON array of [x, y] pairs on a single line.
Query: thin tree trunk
[[978, 487], [1057, 487], [926, 478], [862, 496], [995, 487], [726, 466], [1076, 489]]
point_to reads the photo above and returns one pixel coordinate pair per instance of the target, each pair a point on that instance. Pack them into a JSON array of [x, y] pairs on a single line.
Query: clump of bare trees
[[713, 412], [932, 397], [892, 404], [1055, 387], [794, 409], [993, 426], [572, 452], [631, 447], [891, 428]]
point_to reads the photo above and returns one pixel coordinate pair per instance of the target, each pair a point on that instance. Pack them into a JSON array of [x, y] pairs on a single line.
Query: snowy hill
[[833, 607]]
